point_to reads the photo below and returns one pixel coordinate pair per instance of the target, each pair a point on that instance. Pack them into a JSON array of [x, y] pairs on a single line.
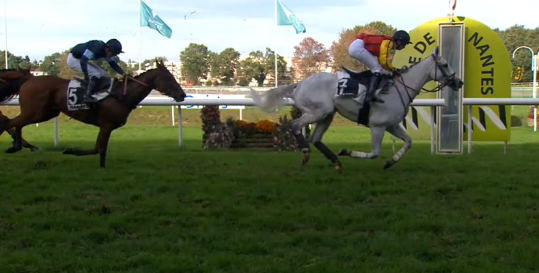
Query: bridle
[[448, 79], [127, 77]]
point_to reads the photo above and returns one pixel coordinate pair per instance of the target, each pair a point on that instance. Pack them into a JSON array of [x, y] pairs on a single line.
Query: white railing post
[[180, 137], [469, 128], [56, 132], [432, 129], [172, 114]]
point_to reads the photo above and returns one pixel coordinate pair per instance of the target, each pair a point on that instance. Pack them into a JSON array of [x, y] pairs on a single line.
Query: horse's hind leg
[[306, 118], [3, 123], [400, 133], [25, 143], [14, 128], [316, 139], [20, 121]]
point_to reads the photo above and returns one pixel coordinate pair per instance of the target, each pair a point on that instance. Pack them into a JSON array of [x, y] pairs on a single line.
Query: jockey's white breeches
[[93, 70], [357, 51]]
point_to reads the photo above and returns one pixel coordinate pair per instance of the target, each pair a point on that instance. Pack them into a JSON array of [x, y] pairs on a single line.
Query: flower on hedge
[[283, 136], [221, 137], [530, 115], [211, 117], [241, 123], [265, 126]]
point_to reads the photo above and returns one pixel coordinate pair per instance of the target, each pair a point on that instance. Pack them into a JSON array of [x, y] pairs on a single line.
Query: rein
[[400, 79], [126, 78]]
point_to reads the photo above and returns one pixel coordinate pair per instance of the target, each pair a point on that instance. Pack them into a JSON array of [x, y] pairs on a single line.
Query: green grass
[[158, 208]]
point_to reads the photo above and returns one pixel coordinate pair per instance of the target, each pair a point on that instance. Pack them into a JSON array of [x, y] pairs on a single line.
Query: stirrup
[[378, 100], [89, 98]]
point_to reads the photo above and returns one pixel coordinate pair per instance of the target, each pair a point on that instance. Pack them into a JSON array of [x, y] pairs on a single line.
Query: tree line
[[199, 64]]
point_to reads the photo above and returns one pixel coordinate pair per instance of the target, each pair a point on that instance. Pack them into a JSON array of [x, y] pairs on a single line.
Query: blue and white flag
[[149, 19], [286, 17]]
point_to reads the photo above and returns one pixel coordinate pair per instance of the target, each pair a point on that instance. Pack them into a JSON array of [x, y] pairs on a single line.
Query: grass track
[[160, 209]]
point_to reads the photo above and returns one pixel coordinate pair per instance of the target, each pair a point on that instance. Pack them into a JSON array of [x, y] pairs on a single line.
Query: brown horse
[[10, 82], [42, 98]]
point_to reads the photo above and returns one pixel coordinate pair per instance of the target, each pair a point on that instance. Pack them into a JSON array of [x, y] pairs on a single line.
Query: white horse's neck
[[416, 77]]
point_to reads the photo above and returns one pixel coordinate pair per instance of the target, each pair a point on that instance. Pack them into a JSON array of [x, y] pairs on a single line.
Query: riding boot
[[90, 91], [375, 81]]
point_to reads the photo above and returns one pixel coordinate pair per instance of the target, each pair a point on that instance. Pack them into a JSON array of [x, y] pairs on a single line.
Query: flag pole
[[139, 39], [275, 50], [5, 31]]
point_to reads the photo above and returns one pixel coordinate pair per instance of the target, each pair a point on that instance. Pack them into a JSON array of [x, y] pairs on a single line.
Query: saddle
[[364, 77], [102, 84]]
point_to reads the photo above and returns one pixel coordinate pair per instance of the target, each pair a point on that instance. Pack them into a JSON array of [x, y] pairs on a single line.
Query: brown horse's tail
[[9, 89], [3, 122]]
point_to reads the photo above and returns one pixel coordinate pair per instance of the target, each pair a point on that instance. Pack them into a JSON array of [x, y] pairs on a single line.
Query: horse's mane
[[8, 69], [116, 80]]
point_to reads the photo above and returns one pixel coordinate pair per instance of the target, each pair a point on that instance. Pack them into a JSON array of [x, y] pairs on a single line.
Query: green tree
[[213, 64], [194, 60], [339, 49], [13, 60], [35, 64], [224, 65], [51, 64], [516, 36], [258, 65]]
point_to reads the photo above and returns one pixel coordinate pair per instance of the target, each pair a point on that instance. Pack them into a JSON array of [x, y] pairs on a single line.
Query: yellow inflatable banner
[[487, 74]]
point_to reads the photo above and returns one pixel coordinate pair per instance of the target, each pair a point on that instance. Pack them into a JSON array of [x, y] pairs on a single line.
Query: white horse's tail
[[272, 100]]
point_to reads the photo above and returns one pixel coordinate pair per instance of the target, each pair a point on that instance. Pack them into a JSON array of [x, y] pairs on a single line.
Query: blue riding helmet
[[115, 46]]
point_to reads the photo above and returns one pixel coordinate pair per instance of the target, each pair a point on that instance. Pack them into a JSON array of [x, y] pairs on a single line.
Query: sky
[[41, 27]]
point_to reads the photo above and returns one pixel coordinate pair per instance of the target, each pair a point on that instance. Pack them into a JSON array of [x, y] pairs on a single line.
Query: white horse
[[321, 95]]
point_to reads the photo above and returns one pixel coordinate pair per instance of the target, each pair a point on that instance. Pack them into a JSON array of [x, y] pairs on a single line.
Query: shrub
[[265, 126], [211, 118], [283, 137]]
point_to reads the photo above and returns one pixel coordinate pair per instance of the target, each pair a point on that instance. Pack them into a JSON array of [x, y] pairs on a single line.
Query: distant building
[[173, 67], [37, 72]]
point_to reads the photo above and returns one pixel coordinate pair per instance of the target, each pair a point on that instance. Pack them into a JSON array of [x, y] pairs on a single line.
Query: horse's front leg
[[377, 135], [400, 133]]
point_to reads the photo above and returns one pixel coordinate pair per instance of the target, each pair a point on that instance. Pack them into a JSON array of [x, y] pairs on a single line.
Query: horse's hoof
[[34, 149], [388, 164], [343, 152], [68, 151], [306, 157], [11, 150], [338, 167]]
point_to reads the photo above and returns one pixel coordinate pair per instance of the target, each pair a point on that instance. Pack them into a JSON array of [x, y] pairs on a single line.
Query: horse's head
[[15, 74], [444, 73], [11, 81], [166, 84]]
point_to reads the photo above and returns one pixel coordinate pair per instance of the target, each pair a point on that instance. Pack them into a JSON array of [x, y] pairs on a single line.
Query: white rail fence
[[432, 103]]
